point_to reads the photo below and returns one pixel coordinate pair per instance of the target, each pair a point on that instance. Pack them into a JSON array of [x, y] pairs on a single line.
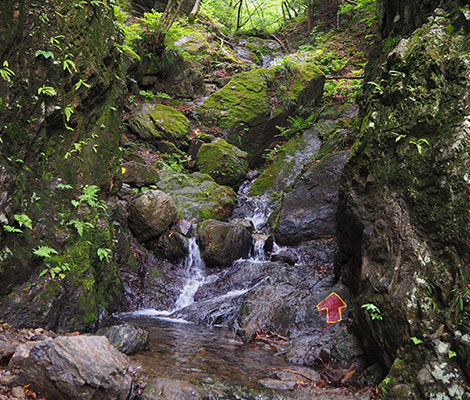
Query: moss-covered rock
[[197, 196], [60, 119], [404, 207], [158, 124], [289, 160], [224, 162], [254, 102], [192, 44]]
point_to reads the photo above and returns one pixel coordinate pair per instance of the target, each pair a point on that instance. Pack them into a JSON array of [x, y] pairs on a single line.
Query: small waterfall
[[193, 274], [259, 243]]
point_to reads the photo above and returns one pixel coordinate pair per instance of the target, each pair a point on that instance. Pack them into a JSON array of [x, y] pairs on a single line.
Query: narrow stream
[[205, 352]]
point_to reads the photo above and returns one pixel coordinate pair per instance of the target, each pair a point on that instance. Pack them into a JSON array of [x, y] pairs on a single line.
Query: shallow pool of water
[[203, 356]]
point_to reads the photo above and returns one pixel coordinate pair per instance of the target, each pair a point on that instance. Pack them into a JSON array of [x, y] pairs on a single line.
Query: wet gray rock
[[126, 338], [309, 210], [139, 174], [222, 243], [72, 367], [173, 389], [171, 246], [150, 214]]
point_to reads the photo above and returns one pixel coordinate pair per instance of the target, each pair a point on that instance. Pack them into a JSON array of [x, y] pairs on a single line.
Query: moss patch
[[222, 161], [158, 123], [197, 196]]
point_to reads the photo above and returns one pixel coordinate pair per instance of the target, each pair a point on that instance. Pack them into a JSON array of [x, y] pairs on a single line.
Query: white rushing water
[[193, 274]]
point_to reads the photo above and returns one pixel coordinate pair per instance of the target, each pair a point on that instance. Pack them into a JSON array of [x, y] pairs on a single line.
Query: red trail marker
[[334, 305]]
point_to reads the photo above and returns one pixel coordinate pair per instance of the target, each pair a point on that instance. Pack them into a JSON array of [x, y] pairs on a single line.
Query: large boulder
[[197, 196], [180, 79], [150, 214], [289, 160], [225, 162], [404, 212], [72, 367], [138, 174], [161, 125], [309, 210], [251, 105], [222, 243]]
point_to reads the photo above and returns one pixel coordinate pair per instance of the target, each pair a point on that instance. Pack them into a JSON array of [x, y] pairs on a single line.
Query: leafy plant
[[90, 196], [461, 295], [146, 94], [376, 88], [419, 144], [56, 267], [11, 229], [80, 226], [373, 310], [5, 72], [64, 186], [80, 83], [23, 219], [297, 126], [68, 64], [104, 254], [44, 251], [47, 90], [68, 111]]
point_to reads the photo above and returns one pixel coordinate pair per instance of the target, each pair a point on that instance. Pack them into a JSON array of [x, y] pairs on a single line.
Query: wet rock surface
[[150, 214], [309, 210], [74, 367], [126, 338], [402, 229], [222, 243]]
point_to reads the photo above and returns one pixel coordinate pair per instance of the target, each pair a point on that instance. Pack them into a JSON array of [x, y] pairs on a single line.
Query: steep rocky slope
[[404, 209]]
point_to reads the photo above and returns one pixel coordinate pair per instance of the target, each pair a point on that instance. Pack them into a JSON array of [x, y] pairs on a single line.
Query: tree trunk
[[194, 11]]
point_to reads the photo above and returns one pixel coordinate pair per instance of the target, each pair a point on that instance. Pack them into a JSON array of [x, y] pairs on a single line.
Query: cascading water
[[256, 209], [193, 274]]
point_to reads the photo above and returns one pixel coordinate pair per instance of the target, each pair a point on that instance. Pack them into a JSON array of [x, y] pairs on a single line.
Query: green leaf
[[44, 251], [12, 229], [103, 254], [23, 219], [62, 186], [452, 354], [47, 90], [68, 112], [80, 83], [75, 203], [45, 54], [416, 341]]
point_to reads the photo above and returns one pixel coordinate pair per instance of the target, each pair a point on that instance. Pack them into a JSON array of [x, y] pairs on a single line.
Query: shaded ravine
[[203, 337]]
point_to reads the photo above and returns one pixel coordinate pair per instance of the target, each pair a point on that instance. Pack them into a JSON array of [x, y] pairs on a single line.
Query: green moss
[[225, 163], [243, 101], [197, 195], [159, 123]]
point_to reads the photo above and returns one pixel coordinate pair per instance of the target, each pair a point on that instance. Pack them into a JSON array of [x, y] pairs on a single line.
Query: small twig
[[286, 49], [300, 374]]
